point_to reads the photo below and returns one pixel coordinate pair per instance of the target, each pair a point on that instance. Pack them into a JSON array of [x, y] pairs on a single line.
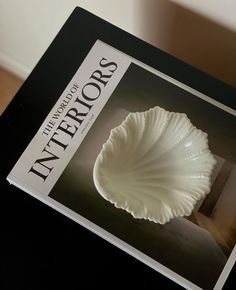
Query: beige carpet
[[9, 85]]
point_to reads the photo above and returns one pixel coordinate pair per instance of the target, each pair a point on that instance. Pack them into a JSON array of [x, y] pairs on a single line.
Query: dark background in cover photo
[[178, 243]]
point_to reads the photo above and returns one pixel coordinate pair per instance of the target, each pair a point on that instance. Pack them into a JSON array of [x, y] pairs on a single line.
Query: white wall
[[27, 27], [220, 11]]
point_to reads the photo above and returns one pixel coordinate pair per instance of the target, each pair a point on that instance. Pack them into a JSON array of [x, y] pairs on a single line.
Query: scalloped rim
[[172, 213]]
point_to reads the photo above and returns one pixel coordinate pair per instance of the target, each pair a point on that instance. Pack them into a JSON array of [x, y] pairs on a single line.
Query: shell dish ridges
[[156, 165]]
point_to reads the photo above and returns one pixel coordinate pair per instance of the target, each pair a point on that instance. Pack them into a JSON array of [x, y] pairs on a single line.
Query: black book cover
[[196, 248]]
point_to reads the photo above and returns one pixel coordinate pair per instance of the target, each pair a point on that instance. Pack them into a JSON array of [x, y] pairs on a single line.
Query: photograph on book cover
[[197, 247]]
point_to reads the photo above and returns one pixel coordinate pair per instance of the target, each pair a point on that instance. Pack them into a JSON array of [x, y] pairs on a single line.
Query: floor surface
[[9, 85]]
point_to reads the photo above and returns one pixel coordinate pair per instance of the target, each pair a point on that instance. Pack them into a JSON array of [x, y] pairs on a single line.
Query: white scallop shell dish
[[156, 165]]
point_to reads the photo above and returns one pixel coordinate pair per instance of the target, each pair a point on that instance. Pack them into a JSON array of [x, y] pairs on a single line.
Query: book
[[85, 85]]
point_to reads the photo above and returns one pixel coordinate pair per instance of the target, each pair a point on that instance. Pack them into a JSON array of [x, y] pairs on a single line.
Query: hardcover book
[[85, 85]]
